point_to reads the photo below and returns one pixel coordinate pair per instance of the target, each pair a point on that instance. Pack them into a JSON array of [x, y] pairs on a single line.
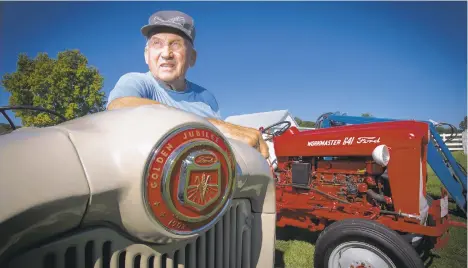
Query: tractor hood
[[157, 173]]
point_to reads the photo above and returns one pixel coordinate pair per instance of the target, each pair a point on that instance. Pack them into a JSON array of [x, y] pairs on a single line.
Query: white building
[[263, 119]]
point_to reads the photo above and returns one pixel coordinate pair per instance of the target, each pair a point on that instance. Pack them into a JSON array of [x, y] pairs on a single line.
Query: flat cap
[[171, 19]]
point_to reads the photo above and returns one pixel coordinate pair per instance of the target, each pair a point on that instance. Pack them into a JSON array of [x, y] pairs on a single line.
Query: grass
[[433, 183], [295, 247]]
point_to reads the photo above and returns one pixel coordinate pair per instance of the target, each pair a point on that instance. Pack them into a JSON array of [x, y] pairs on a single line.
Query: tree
[[462, 125], [303, 123], [65, 85], [367, 115], [5, 128], [444, 129]]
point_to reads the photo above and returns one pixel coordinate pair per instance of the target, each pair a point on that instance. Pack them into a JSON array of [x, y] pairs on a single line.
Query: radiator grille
[[227, 244]]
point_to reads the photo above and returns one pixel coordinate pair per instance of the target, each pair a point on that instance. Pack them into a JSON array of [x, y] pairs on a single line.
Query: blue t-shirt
[[194, 99]]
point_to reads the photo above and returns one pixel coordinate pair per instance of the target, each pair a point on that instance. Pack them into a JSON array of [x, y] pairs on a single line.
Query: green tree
[[444, 129], [303, 123], [5, 128], [367, 115], [462, 125], [66, 85]]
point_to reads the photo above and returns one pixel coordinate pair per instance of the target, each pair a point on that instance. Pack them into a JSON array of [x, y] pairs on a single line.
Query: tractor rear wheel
[[363, 243]]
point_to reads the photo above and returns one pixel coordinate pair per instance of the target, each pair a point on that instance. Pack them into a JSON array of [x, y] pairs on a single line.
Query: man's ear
[[146, 55], [193, 57]]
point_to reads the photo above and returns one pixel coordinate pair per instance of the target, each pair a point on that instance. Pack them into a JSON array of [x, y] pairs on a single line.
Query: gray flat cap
[[175, 20]]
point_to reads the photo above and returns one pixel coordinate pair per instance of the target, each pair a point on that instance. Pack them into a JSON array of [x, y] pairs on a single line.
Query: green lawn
[[295, 247]]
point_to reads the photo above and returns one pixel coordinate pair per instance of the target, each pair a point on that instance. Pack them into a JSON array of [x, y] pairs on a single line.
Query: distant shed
[[263, 119]]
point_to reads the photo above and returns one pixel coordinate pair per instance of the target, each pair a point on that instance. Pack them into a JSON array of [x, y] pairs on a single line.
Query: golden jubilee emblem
[[190, 179]]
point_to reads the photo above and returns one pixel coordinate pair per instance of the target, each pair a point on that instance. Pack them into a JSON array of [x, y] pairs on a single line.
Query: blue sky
[[405, 60]]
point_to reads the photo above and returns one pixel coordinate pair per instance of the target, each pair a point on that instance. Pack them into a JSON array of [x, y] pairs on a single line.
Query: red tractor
[[364, 185]]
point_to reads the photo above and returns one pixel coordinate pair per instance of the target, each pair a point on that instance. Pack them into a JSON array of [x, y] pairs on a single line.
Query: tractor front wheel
[[363, 243]]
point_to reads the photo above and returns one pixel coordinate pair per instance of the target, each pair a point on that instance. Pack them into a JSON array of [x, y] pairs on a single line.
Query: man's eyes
[[176, 45], [160, 44]]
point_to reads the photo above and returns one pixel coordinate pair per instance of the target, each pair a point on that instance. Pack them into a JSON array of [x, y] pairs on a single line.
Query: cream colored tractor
[[138, 187]]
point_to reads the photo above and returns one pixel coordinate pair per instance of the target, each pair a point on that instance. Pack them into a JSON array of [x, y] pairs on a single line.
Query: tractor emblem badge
[[202, 179], [190, 180]]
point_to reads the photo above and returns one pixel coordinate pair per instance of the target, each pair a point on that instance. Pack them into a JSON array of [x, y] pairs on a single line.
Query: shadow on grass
[[424, 250], [289, 234], [457, 213], [279, 259], [429, 259]]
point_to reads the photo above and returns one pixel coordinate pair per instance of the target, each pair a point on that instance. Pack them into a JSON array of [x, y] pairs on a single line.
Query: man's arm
[[130, 102], [251, 136]]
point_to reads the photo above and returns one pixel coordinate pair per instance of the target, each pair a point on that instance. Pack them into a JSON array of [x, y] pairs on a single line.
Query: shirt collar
[[166, 87]]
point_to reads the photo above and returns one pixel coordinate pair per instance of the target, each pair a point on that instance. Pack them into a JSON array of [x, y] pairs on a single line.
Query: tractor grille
[[227, 244]]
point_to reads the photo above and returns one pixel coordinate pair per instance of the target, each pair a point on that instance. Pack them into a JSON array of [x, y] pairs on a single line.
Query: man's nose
[[166, 52]]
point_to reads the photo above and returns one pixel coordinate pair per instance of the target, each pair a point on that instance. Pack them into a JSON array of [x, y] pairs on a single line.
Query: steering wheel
[[277, 132], [27, 107]]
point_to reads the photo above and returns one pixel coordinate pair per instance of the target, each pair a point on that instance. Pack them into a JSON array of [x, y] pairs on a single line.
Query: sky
[[402, 60]]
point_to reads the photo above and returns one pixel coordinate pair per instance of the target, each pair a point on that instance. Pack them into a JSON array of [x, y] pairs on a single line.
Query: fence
[[458, 142], [465, 141], [455, 143]]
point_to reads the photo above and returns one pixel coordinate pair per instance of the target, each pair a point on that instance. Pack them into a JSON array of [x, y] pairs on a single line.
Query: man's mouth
[[167, 66]]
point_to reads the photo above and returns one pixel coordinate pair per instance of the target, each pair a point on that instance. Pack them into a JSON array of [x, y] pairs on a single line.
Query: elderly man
[[169, 52]]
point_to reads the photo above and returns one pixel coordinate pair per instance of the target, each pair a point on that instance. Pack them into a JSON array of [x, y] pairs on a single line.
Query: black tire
[[372, 233]]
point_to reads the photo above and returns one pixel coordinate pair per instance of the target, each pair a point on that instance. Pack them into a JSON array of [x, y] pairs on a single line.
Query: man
[[169, 53]]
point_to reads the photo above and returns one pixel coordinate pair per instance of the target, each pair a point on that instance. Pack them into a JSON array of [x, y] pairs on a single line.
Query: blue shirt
[[195, 99]]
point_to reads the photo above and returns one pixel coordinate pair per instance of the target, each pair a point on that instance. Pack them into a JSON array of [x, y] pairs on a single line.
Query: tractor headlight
[[381, 155]]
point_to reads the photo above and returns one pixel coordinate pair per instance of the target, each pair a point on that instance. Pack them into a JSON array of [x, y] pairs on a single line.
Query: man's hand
[[251, 136]]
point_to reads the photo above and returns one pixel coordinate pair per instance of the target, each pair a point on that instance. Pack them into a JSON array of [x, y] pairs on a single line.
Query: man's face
[[169, 56]]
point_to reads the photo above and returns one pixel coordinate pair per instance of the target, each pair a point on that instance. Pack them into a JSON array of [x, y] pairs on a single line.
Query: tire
[[373, 237]]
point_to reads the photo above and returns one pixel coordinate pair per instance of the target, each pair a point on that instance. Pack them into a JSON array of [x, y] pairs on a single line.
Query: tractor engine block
[[346, 179]]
